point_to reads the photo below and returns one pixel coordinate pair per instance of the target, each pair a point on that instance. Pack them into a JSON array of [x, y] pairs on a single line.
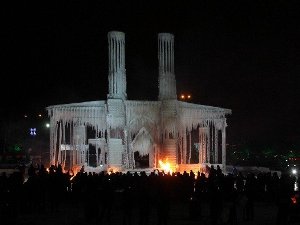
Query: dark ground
[[72, 213]]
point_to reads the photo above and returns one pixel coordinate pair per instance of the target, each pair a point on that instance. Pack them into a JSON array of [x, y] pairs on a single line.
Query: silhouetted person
[[218, 171], [232, 220], [143, 195], [284, 200], [107, 197], [250, 194], [127, 205], [216, 205], [163, 201], [194, 207], [91, 206]]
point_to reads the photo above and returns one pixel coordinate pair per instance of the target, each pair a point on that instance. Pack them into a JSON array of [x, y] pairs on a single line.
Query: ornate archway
[[142, 148]]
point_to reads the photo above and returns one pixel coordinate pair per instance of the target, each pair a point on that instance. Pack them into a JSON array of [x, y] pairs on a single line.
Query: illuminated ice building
[[119, 134]]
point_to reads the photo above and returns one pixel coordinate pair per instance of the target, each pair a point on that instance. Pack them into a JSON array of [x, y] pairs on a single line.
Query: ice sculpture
[[120, 134]]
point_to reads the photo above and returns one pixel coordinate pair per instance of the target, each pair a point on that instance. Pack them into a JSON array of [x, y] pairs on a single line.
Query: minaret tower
[[168, 98], [116, 66], [167, 82], [116, 99]]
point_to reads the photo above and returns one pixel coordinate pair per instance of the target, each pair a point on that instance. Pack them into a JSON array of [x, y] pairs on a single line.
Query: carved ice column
[[224, 145], [116, 66], [53, 127], [168, 97], [116, 96], [208, 144], [199, 146], [59, 161], [167, 82], [190, 146], [97, 158], [184, 146], [127, 151], [205, 144], [78, 143], [216, 158], [115, 126]]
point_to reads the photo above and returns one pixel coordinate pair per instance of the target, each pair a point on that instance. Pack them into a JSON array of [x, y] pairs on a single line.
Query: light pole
[[185, 97]]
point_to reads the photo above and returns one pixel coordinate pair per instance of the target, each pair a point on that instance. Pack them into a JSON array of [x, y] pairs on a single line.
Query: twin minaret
[[166, 79], [116, 65], [117, 71]]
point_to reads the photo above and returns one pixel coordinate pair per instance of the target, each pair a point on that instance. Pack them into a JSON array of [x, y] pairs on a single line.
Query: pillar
[[116, 65], [224, 147], [216, 158], [167, 82]]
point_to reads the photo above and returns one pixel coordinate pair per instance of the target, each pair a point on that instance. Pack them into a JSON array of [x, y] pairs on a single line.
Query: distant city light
[[17, 148], [47, 125], [25, 116], [40, 115], [32, 131], [296, 188], [294, 171]]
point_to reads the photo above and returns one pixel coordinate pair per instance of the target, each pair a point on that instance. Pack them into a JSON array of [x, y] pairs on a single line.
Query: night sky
[[240, 55]]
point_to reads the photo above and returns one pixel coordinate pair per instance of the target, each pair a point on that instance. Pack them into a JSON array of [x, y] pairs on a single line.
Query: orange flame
[[166, 167]]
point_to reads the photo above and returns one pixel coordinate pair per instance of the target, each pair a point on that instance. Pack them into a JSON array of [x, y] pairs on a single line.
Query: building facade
[[122, 134]]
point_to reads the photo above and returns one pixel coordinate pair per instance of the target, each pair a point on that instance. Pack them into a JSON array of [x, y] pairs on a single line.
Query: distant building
[[122, 134]]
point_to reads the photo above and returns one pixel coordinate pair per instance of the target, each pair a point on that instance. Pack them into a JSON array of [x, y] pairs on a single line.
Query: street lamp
[[185, 97]]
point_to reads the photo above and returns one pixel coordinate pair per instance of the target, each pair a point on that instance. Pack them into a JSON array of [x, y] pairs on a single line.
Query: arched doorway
[[142, 146], [141, 161]]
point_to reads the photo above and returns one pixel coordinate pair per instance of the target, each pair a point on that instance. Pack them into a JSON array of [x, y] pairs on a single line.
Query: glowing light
[[166, 167], [294, 171], [32, 131], [47, 125], [294, 200], [112, 170], [40, 115], [296, 186], [184, 97], [17, 148]]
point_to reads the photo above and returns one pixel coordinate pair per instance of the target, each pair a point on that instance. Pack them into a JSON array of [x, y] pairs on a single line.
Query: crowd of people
[[135, 194]]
